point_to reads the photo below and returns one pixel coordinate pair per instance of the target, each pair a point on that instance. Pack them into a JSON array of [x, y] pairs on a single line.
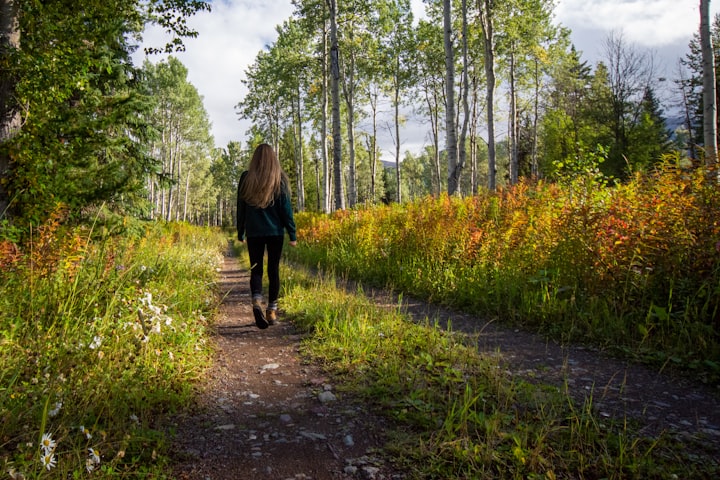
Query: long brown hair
[[265, 178]]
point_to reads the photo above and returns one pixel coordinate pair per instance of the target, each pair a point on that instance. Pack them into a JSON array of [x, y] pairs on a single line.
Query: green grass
[[102, 338], [633, 268], [455, 413]]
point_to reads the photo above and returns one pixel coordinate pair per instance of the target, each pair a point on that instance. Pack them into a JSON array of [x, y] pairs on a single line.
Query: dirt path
[[265, 415]]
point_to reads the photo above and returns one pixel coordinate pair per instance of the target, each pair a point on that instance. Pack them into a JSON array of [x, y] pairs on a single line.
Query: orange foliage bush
[[596, 257]]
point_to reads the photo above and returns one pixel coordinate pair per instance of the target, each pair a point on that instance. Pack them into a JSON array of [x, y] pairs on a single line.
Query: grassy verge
[[460, 415], [633, 268], [102, 337]]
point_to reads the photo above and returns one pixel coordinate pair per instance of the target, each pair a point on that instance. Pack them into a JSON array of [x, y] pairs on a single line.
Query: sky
[[231, 35]]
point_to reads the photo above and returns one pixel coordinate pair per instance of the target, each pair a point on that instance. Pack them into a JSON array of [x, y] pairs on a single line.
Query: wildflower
[[134, 418], [48, 460], [89, 465], [55, 410], [94, 456], [47, 443], [147, 299], [97, 341], [85, 432]]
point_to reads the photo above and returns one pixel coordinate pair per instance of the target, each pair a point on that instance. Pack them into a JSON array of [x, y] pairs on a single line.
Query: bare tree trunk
[[534, 168], [396, 104], [372, 144], [299, 162], [474, 183], [10, 118], [485, 12], [327, 208], [451, 133], [462, 148], [687, 112], [335, 92], [709, 99], [348, 85], [431, 98], [514, 164], [185, 200]]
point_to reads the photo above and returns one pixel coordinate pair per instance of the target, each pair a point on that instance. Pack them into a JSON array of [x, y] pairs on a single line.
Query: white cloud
[[232, 34], [648, 23], [229, 38]]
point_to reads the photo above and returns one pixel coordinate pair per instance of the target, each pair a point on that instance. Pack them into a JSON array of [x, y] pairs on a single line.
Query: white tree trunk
[[10, 119], [709, 95], [450, 131], [485, 9], [335, 95]]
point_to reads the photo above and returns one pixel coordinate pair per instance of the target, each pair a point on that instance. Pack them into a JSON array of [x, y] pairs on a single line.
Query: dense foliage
[[634, 267], [103, 333], [85, 112]]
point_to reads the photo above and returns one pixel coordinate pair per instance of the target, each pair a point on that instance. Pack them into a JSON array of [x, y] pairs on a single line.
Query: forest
[[560, 196], [84, 126]]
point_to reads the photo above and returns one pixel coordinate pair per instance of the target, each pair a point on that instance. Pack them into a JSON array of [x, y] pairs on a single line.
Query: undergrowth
[[455, 413], [634, 268], [103, 333]]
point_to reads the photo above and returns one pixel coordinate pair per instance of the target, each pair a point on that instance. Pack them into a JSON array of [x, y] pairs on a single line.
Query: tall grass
[[634, 267], [101, 337], [454, 413]]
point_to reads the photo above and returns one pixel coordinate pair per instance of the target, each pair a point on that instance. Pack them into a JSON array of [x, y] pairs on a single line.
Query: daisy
[[48, 460], [47, 443], [94, 456], [85, 432]]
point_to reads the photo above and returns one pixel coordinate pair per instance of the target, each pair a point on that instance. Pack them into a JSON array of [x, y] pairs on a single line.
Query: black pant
[[256, 251]]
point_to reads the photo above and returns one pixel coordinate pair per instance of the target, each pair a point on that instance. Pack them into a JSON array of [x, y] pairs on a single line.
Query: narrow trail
[[264, 414], [659, 401]]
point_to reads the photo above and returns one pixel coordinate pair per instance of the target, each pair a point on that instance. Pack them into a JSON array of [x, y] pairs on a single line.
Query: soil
[[264, 413]]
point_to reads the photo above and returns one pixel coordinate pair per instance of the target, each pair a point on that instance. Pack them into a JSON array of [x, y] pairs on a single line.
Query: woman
[[264, 213]]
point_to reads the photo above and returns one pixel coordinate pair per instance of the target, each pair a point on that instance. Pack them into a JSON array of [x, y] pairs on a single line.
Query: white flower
[[56, 409], [48, 460], [94, 456], [134, 418], [85, 432], [47, 443], [97, 341]]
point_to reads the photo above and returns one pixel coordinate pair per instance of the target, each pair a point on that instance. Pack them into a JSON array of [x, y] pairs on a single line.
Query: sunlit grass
[[102, 337], [634, 268], [455, 413]]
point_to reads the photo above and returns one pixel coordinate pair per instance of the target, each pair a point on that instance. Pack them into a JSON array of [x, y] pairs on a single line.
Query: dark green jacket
[[265, 222]]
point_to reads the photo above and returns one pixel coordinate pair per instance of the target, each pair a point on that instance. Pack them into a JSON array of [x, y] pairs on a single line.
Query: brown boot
[[271, 316], [260, 319]]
